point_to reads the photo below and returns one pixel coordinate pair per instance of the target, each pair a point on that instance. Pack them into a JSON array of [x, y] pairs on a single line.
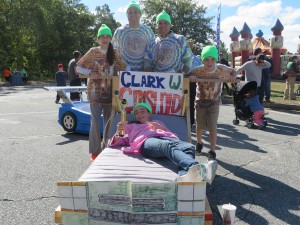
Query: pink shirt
[[136, 134]]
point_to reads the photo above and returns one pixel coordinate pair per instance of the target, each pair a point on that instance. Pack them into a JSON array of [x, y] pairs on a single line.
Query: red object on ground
[[94, 156]]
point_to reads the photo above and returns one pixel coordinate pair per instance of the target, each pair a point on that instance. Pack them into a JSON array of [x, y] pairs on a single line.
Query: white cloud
[[120, 15], [230, 3], [121, 9], [263, 16], [291, 37]]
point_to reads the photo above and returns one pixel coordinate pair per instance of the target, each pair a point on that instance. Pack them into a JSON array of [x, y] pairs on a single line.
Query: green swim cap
[[134, 4], [163, 16], [211, 51], [148, 107], [104, 30]]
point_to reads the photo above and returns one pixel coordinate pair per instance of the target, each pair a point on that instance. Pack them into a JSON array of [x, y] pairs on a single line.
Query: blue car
[[74, 117]]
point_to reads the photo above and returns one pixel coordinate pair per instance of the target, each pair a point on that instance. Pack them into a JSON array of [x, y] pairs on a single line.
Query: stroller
[[243, 112]]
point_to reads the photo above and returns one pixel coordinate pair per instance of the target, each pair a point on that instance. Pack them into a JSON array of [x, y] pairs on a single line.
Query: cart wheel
[[69, 122], [236, 122], [250, 125]]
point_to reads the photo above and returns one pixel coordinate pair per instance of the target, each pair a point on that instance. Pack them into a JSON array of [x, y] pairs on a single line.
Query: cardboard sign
[[163, 91]]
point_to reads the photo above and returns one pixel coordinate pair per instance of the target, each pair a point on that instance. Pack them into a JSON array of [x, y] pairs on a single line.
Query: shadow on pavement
[[279, 127], [233, 138], [254, 191], [73, 137]]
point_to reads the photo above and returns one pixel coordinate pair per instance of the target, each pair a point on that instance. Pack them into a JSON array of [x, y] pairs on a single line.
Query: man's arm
[[242, 68], [187, 56], [266, 64]]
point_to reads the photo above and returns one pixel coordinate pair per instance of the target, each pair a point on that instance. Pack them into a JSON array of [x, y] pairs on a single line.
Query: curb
[[272, 105]]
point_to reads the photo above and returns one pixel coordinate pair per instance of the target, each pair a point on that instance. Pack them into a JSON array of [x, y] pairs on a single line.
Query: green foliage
[[38, 35], [188, 19], [41, 34], [103, 15]]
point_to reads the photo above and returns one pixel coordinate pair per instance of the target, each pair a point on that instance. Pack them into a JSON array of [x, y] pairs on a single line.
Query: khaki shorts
[[207, 118]]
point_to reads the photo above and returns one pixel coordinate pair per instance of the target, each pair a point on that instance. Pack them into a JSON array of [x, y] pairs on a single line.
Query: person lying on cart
[[153, 139]]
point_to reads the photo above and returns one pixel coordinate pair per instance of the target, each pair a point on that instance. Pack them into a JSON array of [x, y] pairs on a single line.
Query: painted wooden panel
[[190, 220], [74, 218], [154, 197], [110, 195]]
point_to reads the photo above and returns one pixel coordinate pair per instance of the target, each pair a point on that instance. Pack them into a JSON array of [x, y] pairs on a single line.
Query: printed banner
[[163, 91]]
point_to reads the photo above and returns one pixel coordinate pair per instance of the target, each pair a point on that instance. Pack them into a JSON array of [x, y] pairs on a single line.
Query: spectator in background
[[253, 70], [7, 74], [265, 89], [133, 39], [74, 76], [223, 60], [61, 79], [256, 52], [252, 100], [24, 75], [290, 81]]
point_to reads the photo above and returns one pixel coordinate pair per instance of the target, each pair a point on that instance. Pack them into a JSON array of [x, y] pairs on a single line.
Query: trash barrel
[[16, 79]]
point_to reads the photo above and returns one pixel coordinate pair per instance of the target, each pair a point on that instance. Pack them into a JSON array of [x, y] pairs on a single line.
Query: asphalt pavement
[[258, 169]]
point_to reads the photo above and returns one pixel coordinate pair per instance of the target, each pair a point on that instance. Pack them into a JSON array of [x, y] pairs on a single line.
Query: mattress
[[113, 164]]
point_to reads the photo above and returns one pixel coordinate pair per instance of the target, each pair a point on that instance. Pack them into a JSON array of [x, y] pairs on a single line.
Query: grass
[[277, 90]]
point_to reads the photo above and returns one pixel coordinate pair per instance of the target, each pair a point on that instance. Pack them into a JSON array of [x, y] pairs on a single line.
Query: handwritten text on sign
[[163, 91]]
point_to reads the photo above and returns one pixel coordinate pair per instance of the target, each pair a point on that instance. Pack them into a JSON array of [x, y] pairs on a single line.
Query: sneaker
[[211, 168], [197, 172], [199, 147], [56, 102], [211, 155], [268, 101]]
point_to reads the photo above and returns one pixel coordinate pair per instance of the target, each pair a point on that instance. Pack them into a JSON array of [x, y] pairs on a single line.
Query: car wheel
[[69, 122]]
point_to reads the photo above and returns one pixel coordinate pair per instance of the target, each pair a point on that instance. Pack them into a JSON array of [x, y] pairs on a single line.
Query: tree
[[225, 51], [104, 15], [39, 34], [188, 18]]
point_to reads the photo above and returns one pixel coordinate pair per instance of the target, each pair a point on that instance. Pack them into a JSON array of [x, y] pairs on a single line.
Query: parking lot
[[258, 170]]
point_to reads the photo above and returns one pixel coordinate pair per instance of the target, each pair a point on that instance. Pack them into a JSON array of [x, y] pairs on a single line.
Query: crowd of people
[[18, 77]]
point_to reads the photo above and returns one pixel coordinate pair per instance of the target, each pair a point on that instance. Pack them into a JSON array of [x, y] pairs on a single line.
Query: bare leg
[[199, 132], [213, 140]]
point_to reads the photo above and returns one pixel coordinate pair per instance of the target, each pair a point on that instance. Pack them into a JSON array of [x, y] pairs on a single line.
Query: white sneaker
[[211, 168]]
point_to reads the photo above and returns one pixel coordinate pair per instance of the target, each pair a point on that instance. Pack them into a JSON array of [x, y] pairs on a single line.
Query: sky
[[259, 15]]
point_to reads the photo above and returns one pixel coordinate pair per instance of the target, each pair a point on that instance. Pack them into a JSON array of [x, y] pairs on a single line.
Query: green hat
[[163, 16], [134, 4], [104, 30], [211, 51], [148, 107]]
